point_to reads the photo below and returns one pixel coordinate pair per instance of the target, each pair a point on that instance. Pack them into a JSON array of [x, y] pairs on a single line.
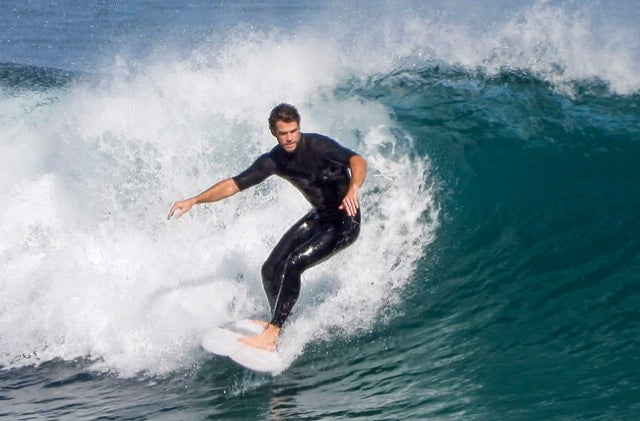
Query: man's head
[[284, 123], [283, 112]]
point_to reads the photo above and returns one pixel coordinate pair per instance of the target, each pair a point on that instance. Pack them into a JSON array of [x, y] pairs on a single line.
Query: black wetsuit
[[319, 168]]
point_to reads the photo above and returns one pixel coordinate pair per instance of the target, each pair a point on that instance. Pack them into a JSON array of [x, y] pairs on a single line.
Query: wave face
[[496, 272], [530, 290]]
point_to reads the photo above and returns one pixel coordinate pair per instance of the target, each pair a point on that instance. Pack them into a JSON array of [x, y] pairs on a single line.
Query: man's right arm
[[219, 191], [358, 167]]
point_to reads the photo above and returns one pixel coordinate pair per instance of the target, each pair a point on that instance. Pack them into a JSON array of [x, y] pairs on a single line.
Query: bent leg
[[273, 268], [322, 241]]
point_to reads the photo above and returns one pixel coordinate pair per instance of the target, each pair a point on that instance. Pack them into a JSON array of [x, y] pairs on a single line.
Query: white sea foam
[[89, 265], [92, 269], [559, 41]]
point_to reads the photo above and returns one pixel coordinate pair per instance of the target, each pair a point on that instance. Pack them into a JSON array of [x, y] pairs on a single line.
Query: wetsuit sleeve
[[332, 150], [262, 168]]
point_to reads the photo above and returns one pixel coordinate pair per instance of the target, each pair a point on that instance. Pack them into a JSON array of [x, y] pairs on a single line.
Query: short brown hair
[[283, 112]]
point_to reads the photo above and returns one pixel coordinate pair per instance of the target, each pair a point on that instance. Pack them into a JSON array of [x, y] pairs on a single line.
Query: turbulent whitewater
[[496, 276]]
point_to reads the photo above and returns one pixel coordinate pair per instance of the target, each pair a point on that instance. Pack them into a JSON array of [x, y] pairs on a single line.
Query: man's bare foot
[[266, 340]]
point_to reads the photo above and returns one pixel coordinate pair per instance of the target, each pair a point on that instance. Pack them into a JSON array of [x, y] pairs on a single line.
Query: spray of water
[[90, 267]]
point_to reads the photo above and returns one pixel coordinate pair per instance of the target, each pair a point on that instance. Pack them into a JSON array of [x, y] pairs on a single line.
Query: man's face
[[288, 135]]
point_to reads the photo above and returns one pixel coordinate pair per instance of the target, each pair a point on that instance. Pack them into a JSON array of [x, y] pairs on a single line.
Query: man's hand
[[358, 167], [218, 191], [183, 206], [350, 202]]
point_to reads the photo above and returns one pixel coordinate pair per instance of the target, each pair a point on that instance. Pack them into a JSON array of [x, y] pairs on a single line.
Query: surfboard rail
[[224, 341]]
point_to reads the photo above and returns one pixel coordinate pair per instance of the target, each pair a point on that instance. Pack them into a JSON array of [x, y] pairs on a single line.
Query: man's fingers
[[174, 208], [354, 208], [350, 206]]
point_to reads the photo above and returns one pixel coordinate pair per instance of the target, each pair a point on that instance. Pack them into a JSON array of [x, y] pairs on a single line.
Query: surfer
[[329, 176]]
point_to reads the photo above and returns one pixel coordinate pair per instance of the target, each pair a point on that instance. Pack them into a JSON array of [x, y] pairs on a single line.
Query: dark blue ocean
[[497, 276]]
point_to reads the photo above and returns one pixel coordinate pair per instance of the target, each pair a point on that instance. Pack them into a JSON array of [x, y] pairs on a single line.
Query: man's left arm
[[358, 167]]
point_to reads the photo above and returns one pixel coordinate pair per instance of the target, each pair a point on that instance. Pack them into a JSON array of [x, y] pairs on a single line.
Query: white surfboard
[[223, 340]]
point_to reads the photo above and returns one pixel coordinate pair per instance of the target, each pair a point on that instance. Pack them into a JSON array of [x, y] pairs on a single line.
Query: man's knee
[[267, 270]]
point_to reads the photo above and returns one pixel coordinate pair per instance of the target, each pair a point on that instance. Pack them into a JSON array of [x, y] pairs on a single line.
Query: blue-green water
[[496, 276]]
